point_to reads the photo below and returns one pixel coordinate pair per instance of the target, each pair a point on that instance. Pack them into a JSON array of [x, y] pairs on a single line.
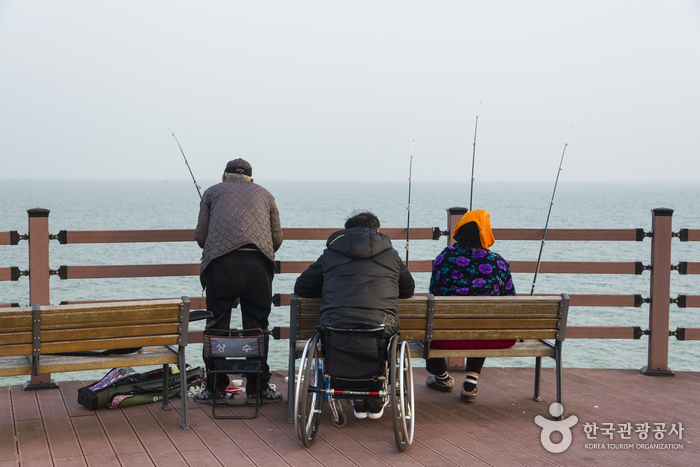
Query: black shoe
[[269, 396], [205, 397], [444, 385]]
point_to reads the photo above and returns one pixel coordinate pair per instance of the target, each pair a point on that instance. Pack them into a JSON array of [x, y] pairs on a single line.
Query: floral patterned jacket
[[465, 271]]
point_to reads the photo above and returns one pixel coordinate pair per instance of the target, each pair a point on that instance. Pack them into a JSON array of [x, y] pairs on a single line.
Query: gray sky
[[338, 90]]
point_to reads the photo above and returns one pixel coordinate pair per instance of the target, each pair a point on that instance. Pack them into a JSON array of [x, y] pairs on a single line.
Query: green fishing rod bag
[[124, 387]]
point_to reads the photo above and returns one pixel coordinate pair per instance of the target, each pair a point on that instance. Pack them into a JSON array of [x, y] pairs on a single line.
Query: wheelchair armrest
[[198, 315]]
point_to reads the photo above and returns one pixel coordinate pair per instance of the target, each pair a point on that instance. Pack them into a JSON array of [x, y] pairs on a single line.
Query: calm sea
[[126, 205]]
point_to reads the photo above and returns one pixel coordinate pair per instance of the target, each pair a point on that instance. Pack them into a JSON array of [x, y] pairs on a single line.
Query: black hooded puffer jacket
[[360, 277]]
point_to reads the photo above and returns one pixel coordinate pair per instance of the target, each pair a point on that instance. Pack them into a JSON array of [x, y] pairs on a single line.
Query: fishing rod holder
[[15, 273], [681, 234]]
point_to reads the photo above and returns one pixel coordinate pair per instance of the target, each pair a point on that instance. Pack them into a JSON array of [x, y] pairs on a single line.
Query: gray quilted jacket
[[235, 213]]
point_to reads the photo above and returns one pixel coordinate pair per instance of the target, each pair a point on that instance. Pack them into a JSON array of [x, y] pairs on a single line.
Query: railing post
[[661, 225], [39, 267], [453, 216]]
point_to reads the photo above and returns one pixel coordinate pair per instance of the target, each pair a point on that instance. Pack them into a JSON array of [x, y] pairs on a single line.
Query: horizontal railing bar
[[5, 238], [692, 301], [283, 267], [187, 235], [127, 270], [195, 302], [692, 334], [694, 235], [5, 274], [600, 332], [283, 299], [126, 236], [298, 233], [693, 268], [417, 233], [576, 299], [575, 267], [598, 235]]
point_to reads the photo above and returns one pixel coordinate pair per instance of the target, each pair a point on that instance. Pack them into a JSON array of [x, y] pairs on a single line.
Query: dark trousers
[[438, 366], [247, 276]]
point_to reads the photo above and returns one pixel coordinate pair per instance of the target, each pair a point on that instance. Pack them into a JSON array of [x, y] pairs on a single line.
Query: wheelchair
[[354, 364]]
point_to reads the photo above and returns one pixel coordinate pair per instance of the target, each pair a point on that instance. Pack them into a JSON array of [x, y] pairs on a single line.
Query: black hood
[[358, 242]]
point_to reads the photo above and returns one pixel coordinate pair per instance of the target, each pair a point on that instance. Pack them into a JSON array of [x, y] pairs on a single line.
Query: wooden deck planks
[[62, 439], [32, 446], [93, 441], [159, 448], [497, 430], [8, 451]]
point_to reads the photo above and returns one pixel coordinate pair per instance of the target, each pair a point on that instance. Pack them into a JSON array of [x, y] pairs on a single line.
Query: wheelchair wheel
[[401, 393], [308, 404], [342, 420]]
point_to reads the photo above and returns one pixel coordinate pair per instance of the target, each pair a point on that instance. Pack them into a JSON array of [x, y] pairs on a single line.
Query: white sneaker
[[360, 408], [376, 408]]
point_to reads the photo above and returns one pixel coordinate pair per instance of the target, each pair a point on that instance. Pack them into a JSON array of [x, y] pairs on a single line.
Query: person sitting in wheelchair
[[360, 277]]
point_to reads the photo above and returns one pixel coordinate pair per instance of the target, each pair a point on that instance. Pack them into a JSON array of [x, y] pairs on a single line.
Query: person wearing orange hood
[[468, 268]]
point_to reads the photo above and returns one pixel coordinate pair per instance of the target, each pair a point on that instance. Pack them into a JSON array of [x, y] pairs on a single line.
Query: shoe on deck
[[444, 385], [359, 408], [205, 397], [468, 396], [269, 396]]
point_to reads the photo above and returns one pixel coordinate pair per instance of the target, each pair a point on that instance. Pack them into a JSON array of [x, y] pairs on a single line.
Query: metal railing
[[660, 266]]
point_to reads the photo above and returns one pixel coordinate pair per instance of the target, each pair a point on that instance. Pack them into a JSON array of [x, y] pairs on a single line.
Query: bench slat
[[20, 365], [480, 334], [478, 323], [90, 344], [72, 319], [91, 333], [528, 348]]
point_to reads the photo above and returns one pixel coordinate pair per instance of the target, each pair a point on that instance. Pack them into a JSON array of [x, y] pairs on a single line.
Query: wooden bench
[[32, 337], [529, 320]]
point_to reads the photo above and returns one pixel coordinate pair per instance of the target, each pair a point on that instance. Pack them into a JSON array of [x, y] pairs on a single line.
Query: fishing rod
[[186, 163], [471, 191], [408, 217], [551, 203]]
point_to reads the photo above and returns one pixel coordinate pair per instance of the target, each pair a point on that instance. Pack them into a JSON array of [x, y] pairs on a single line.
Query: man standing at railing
[[239, 230]]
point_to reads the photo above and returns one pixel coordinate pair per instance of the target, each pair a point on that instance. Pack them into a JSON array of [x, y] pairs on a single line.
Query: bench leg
[[557, 357], [538, 368], [183, 386], [166, 380], [290, 381]]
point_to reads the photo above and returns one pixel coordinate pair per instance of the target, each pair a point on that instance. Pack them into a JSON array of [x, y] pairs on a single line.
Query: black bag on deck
[[124, 387]]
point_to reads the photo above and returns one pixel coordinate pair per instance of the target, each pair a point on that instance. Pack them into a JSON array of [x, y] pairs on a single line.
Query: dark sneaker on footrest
[[269, 396]]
